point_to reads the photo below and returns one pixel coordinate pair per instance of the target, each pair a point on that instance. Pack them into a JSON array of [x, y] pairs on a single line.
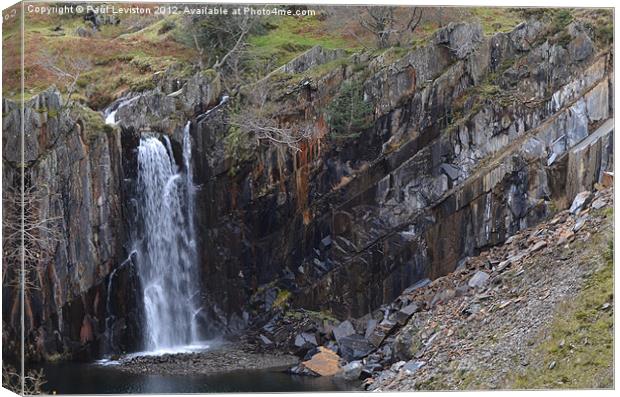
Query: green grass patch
[[496, 19], [93, 122], [289, 37], [579, 351]]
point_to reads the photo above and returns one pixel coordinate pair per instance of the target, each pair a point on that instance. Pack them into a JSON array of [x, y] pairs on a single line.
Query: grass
[[289, 37], [496, 19], [93, 122], [119, 61], [579, 351]]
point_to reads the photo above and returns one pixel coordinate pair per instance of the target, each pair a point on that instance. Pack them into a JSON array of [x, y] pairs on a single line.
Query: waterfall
[[167, 264], [110, 112]]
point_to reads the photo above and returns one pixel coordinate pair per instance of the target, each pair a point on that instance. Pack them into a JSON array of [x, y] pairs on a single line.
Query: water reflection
[[76, 378]]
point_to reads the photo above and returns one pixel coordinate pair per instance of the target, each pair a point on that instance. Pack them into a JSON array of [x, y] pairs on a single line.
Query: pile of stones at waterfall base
[[435, 322]]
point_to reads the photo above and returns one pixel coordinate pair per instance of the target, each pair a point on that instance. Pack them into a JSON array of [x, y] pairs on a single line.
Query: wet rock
[[478, 280], [354, 347], [324, 363], [580, 201], [351, 371]]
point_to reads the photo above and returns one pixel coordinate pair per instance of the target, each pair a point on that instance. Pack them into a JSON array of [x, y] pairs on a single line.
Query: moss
[[93, 122], [581, 339], [282, 298], [53, 113], [323, 315], [237, 146]]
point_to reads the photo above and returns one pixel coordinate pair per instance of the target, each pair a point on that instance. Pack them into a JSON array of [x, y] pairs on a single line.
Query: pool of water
[[84, 378]]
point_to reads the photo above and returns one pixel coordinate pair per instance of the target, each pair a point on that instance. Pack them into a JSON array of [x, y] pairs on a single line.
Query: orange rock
[[608, 179], [324, 363]]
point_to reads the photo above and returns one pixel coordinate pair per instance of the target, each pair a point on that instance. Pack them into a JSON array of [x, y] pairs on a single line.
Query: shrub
[[349, 113]]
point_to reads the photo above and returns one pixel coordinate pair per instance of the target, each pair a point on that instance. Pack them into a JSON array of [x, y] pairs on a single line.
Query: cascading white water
[[110, 112], [167, 264]]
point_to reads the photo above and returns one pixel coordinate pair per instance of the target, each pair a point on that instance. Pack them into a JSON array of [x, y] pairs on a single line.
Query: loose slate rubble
[[366, 348]]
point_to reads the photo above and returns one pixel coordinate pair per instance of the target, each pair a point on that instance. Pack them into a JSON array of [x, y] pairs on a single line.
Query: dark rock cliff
[[452, 164]]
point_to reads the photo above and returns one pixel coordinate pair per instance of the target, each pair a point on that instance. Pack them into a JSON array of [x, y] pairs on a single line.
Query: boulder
[[478, 280], [325, 363], [581, 200], [370, 327], [420, 284], [351, 371], [581, 221], [343, 329], [305, 339], [403, 315], [354, 347], [380, 332]]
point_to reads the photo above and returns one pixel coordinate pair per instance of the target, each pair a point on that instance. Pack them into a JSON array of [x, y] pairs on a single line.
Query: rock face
[[428, 184], [73, 168], [315, 56], [449, 165]]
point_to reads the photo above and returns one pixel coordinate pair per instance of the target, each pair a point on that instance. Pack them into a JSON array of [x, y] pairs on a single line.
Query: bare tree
[[259, 119], [29, 241], [67, 69], [32, 383], [384, 25]]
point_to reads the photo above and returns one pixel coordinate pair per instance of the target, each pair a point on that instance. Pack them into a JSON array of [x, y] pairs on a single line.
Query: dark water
[[80, 378]]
